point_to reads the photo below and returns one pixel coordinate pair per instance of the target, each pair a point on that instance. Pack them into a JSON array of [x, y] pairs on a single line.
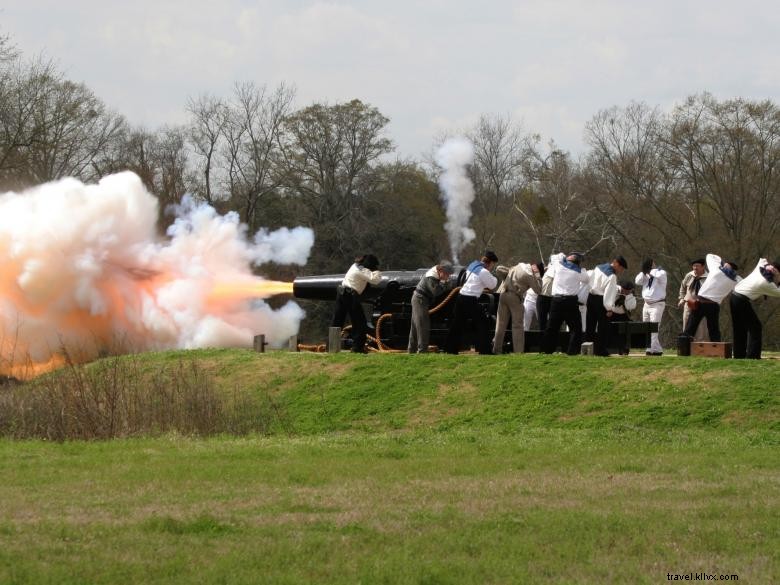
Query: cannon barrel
[[324, 287]]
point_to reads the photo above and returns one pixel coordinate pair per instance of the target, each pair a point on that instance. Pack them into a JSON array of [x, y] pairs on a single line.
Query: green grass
[[314, 394], [561, 506], [419, 469]]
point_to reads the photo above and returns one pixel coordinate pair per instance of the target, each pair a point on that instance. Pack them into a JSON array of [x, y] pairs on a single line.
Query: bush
[[116, 397]]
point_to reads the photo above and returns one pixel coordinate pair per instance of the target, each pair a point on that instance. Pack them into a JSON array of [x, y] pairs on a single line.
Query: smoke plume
[[457, 191], [82, 268]]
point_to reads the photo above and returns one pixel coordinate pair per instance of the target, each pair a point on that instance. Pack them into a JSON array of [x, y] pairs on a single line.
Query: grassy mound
[[239, 392]]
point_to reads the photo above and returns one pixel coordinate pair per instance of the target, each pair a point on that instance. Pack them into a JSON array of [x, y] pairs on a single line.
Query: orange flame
[[242, 289]]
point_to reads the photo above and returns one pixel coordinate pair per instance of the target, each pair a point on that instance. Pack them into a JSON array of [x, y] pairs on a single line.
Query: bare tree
[[502, 155], [252, 130], [633, 187], [51, 127], [160, 160], [206, 134], [329, 154], [555, 207], [727, 155]]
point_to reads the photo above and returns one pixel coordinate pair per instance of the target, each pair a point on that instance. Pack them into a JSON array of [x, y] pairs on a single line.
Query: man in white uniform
[[721, 281], [652, 279], [763, 281], [567, 278], [601, 302], [467, 307]]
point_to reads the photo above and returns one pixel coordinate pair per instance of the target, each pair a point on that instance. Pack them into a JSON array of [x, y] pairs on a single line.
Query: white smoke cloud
[[457, 191], [82, 266], [283, 246]]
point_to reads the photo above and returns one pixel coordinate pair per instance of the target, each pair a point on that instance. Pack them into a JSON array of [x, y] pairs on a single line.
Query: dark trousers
[[468, 309], [597, 324], [747, 328], [564, 310], [348, 303], [615, 339], [709, 311], [543, 304]]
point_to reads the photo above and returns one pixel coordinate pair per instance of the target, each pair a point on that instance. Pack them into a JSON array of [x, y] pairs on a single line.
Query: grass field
[[418, 469]]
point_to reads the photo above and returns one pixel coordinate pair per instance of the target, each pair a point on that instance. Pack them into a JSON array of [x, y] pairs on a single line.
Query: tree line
[[673, 185]]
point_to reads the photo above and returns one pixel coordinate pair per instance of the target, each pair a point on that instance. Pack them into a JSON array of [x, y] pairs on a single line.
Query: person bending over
[[363, 272], [745, 323], [518, 280], [467, 307], [434, 283], [720, 282], [601, 302]]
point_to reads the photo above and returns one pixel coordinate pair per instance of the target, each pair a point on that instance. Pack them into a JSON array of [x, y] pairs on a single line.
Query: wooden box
[[711, 349]]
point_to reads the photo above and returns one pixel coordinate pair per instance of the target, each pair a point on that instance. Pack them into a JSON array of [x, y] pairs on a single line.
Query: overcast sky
[[430, 66]]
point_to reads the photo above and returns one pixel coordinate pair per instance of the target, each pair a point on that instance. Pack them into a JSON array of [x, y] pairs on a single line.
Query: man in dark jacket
[[434, 283]]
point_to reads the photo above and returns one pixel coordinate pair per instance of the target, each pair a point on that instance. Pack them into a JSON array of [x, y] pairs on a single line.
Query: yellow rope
[[319, 348], [381, 347]]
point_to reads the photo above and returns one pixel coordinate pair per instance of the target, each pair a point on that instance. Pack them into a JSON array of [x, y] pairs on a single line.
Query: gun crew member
[[433, 284], [567, 278], [363, 272], [652, 279], [720, 282], [745, 323], [517, 281], [467, 307], [601, 302], [689, 292]]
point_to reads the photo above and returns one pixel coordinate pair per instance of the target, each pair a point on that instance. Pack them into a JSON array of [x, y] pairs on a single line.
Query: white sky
[[429, 66]]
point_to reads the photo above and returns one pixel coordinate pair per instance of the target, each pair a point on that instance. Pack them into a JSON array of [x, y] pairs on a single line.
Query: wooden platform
[[711, 349]]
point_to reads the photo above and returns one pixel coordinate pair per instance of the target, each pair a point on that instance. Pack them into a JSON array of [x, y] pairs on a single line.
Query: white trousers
[[654, 313], [530, 313]]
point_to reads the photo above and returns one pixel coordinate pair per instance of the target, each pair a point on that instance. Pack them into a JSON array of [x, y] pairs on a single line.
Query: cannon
[[390, 301], [391, 312]]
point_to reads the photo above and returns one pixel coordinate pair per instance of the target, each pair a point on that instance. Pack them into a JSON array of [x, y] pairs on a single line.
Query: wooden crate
[[711, 349]]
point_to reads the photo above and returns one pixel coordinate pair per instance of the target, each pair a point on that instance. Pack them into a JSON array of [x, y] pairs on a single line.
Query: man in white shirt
[[362, 273], [763, 281], [467, 307], [652, 279], [601, 302], [518, 279], [567, 278], [721, 281]]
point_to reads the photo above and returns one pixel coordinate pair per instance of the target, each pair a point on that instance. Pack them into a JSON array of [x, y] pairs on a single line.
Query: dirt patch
[[446, 403]]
